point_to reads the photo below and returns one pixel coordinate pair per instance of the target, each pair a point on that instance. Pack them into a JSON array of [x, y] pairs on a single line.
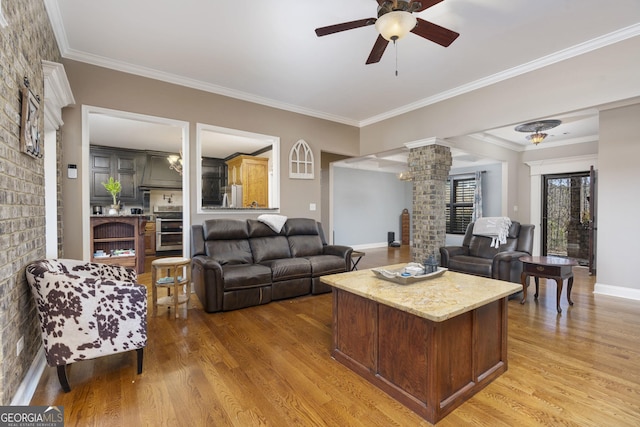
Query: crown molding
[[427, 141], [57, 93], [562, 55], [56, 21]]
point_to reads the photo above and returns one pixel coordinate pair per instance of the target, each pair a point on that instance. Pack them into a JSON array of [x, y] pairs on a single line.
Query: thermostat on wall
[[72, 171]]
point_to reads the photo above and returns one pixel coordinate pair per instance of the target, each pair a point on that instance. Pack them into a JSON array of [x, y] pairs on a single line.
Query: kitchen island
[[431, 345]]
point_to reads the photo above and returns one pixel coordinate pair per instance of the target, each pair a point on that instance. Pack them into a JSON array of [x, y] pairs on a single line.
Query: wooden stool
[[177, 274]]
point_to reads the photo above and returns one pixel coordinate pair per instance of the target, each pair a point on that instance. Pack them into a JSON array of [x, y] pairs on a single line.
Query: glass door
[[567, 216]]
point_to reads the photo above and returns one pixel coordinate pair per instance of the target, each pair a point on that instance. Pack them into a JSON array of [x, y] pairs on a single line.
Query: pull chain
[[395, 45]]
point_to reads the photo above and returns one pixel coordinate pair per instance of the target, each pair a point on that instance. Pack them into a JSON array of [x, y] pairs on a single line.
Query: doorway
[[567, 215], [155, 129]]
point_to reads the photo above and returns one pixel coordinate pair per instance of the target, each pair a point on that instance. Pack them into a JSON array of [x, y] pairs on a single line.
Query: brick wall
[[429, 167], [24, 43]]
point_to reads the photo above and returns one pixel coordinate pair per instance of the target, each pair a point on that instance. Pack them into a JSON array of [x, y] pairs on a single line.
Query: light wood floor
[[270, 366]]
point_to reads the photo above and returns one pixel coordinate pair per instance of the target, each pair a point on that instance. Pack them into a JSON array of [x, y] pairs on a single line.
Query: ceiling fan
[[395, 20]]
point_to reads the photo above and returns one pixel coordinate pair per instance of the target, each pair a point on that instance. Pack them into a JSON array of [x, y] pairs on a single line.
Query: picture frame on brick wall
[[30, 137]]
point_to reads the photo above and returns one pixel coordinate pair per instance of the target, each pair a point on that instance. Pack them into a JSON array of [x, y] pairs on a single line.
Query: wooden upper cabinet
[[253, 174]]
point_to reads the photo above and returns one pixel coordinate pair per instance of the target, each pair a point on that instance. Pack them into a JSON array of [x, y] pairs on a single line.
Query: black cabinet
[[214, 177], [122, 165], [135, 169]]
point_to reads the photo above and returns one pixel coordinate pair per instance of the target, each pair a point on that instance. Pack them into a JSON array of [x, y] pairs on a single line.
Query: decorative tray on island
[[411, 273]]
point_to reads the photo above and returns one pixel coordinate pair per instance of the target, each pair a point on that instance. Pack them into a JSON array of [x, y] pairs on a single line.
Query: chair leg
[[62, 376], [140, 352]]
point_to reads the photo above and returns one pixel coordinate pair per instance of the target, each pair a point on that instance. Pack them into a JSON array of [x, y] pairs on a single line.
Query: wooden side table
[[555, 268], [173, 273]]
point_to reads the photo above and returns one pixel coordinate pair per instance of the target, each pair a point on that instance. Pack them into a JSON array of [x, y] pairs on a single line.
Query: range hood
[[158, 175]]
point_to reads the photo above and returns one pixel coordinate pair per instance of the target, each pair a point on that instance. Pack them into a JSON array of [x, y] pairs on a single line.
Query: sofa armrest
[[343, 252], [208, 281], [507, 266], [447, 252]]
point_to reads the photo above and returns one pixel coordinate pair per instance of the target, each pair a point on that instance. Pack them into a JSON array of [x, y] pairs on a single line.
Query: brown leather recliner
[[476, 256]]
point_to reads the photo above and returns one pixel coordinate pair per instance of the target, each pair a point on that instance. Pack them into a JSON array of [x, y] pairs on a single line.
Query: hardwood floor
[[270, 365]]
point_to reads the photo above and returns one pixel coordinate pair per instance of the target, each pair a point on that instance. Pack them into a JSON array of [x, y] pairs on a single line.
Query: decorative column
[[429, 165]]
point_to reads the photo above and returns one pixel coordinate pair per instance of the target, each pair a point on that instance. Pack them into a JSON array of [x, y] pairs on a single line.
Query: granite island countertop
[[436, 299]]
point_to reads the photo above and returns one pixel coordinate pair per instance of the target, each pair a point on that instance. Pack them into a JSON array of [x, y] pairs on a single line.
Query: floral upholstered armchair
[[87, 310]]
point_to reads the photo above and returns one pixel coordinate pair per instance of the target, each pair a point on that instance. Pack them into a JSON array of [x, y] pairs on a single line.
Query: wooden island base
[[430, 366]]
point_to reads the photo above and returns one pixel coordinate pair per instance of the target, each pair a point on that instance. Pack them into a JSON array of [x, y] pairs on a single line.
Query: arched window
[[301, 161]]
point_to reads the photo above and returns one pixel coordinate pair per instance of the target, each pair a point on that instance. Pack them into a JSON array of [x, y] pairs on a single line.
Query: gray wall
[[368, 204], [618, 202], [101, 87]]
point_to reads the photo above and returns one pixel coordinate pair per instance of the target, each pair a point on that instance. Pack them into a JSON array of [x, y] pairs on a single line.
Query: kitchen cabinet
[[150, 238], [214, 178], [135, 169], [253, 174], [122, 165], [118, 240]]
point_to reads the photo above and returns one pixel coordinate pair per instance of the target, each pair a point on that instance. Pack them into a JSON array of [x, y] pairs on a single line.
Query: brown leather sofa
[[243, 263], [476, 256]]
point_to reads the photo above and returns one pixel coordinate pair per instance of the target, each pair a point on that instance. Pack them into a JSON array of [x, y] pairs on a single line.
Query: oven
[[168, 228]]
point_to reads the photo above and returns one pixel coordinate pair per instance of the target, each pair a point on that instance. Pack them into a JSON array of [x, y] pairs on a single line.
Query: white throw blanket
[[275, 222], [496, 227]]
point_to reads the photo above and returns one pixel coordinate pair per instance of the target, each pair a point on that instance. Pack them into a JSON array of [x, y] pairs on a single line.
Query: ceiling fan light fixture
[[395, 25], [536, 127], [537, 138]]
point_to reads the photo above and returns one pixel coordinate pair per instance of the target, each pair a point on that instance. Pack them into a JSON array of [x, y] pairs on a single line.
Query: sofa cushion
[[244, 276], [301, 226], [305, 246], [268, 248], [326, 264], [226, 241], [514, 230], [225, 229], [480, 246], [260, 229], [230, 251], [289, 268], [471, 264]]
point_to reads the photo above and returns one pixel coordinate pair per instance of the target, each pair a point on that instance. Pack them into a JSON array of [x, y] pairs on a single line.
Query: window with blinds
[[459, 195]]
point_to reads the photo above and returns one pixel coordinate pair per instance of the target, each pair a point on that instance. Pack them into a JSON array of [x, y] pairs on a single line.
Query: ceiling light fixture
[[396, 24], [175, 162], [537, 127], [405, 176], [537, 137]]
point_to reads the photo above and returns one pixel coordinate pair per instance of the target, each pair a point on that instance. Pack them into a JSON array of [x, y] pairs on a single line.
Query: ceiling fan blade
[[331, 29], [377, 51], [435, 33], [426, 4]]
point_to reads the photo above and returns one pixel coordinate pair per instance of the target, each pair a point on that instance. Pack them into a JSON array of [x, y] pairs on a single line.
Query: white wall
[[367, 205]]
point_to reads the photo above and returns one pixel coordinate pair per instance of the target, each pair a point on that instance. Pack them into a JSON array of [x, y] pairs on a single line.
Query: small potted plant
[[113, 187]]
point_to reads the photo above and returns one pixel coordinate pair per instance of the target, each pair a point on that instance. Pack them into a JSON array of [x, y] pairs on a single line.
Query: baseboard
[[616, 291], [372, 246], [30, 382]]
